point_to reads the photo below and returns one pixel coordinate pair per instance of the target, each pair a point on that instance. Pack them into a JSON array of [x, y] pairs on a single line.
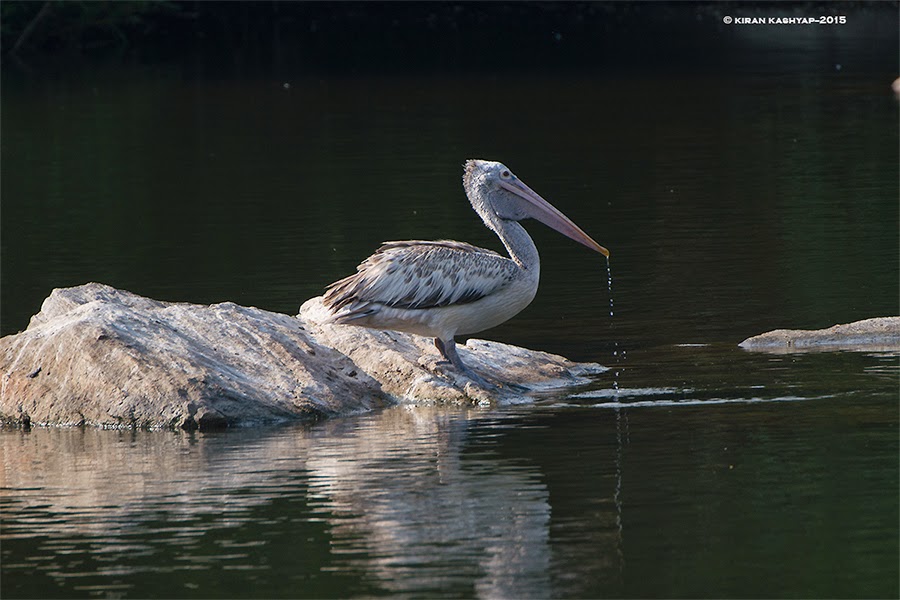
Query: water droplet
[[618, 355]]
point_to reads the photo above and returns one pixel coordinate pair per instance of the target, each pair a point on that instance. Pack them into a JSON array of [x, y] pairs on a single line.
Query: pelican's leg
[[447, 348], [448, 351]]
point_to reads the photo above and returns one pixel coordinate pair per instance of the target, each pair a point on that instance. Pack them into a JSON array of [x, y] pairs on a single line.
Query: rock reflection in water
[[425, 517], [410, 502]]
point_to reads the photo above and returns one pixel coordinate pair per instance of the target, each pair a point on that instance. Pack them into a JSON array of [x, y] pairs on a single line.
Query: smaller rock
[[881, 333]]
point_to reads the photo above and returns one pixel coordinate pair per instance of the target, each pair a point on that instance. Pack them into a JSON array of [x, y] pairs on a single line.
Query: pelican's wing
[[419, 274]]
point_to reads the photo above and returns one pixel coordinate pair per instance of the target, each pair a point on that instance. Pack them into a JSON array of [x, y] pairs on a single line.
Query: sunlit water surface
[[731, 205]]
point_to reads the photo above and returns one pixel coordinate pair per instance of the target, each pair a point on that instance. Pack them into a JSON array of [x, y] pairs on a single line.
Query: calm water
[[732, 203]]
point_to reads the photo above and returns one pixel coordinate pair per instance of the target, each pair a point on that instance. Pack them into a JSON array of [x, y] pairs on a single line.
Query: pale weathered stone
[[101, 356], [882, 333]]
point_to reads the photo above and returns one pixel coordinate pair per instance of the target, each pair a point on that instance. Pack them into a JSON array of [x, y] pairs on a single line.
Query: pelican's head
[[497, 190]]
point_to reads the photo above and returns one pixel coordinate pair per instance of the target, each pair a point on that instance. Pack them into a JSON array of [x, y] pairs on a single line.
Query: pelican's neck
[[518, 243]]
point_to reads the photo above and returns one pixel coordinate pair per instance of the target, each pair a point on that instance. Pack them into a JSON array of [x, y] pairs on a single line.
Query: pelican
[[441, 289]]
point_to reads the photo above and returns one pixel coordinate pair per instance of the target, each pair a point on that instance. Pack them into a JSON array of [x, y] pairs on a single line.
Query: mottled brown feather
[[419, 274]]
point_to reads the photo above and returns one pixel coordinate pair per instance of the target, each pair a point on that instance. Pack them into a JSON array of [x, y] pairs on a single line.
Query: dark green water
[[732, 203]]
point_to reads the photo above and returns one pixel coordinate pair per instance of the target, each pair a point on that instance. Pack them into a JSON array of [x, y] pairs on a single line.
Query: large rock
[[101, 356], [882, 333]]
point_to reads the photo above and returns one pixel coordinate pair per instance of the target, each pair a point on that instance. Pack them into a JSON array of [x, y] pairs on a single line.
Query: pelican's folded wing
[[419, 274]]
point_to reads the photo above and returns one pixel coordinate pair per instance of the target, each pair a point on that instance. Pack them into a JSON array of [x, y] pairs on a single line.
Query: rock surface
[[99, 356], [882, 333]]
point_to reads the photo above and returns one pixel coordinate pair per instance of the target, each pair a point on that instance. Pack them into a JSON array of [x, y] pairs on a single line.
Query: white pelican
[[442, 289]]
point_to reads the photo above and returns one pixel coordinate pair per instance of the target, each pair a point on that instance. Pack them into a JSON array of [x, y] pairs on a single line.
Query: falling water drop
[[618, 356], [609, 286]]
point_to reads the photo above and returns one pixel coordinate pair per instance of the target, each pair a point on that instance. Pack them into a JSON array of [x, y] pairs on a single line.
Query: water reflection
[[552, 499], [406, 509], [487, 517]]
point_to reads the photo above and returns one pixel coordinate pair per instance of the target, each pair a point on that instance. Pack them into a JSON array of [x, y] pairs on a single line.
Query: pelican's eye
[[505, 174]]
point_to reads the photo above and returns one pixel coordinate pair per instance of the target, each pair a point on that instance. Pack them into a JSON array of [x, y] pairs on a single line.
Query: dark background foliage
[[381, 36]]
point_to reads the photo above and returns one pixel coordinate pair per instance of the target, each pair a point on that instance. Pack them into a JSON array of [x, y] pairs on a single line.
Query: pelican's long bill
[[549, 215]]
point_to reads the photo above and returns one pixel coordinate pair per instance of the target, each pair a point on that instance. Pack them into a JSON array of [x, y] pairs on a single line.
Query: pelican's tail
[[342, 304], [348, 314]]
